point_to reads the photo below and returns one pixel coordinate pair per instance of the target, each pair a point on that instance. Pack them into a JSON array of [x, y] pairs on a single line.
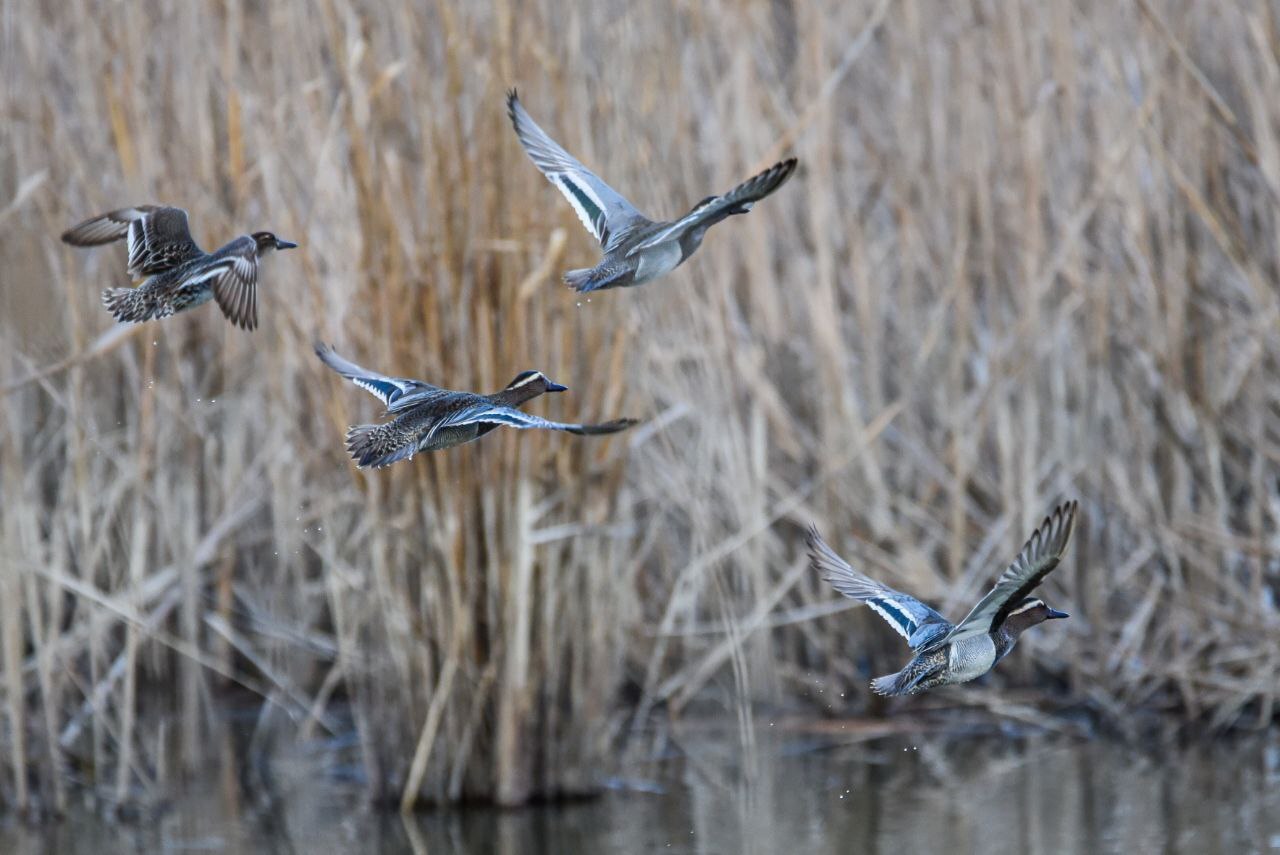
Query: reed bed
[[1031, 254]]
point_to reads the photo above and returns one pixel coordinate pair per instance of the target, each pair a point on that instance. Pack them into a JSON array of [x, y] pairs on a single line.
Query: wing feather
[[158, 236], [1041, 554], [912, 619], [488, 413], [235, 284], [603, 211], [393, 392], [717, 208]]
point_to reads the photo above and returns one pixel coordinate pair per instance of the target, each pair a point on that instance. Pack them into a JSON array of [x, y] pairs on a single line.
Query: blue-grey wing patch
[[392, 391], [927, 633], [603, 210], [912, 619]]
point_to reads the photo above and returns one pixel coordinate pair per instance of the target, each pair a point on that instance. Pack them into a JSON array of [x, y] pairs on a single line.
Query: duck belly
[[971, 657], [189, 296], [658, 260]]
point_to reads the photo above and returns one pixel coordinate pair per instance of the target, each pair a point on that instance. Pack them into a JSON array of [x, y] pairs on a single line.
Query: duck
[[429, 418], [946, 653], [175, 273], [636, 248]]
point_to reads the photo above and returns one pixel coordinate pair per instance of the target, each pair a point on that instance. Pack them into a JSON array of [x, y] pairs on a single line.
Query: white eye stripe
[[526, 381], [1026, 607]]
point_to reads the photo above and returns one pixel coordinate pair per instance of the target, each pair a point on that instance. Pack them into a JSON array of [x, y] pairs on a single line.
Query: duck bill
[[285, 244], [1054, 614], [556, 387]]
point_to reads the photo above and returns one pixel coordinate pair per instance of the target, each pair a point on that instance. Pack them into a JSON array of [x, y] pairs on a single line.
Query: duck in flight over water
[[946, 653]]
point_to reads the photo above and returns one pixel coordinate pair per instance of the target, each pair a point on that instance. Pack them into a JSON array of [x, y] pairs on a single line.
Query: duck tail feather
[[374, 446], [129, 304], [889, 685], [580, 280]]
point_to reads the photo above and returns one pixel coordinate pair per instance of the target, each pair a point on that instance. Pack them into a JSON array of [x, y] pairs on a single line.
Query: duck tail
[[603, 275], [131, 305], [890, 684], [579, 280], [374, 446]]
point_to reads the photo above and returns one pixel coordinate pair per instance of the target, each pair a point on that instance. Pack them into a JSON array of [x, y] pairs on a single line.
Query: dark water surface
[[925, 794]]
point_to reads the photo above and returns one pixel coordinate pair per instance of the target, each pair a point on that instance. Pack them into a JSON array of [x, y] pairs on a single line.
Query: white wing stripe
[[570, 186], [134, 228], [890, 618], [370, 388], [212, 273]]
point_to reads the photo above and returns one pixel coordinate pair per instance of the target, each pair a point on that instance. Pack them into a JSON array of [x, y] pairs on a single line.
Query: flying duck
[[176, 273], [428, 418], [946, 653], [636, 249]]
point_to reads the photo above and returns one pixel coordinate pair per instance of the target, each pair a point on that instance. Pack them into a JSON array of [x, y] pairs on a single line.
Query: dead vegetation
[[1031, 254]]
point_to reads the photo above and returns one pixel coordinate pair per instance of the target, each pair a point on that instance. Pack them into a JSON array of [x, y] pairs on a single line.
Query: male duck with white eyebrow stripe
[[428, 418], [947, 654], [636, 249]]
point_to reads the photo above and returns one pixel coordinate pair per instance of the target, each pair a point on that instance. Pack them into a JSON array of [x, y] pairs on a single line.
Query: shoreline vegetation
[[1030, 255]]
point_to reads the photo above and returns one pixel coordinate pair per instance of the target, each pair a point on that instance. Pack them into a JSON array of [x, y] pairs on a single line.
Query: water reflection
[[927, 794]]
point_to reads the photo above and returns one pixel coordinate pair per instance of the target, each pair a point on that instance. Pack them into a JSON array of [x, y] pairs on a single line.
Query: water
[[928, 795]]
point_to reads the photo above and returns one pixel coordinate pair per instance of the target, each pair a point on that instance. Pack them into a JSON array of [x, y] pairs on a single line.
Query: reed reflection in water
[[930, 794]]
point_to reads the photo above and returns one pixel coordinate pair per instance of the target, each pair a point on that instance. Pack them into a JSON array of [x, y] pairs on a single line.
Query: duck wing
[[159, 237], [912, 619], [481, 411], [395, 393], [234, 271], [604, 211], [1041, 554], [737, 201]]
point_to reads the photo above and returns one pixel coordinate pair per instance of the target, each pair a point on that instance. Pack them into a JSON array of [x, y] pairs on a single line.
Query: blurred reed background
[[1031, 255]]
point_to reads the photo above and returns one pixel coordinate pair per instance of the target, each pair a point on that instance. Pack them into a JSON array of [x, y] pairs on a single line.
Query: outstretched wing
[[737, 201], [234, 275], [393, 392], [483, 412], [603, 210], [913, 620], [159, 238], [1037, 559]]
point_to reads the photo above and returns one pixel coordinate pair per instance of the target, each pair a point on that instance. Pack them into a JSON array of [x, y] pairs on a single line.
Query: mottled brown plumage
[[177, 274]]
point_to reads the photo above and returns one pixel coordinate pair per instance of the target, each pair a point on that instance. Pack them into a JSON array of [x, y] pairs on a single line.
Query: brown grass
[[1031, 254]]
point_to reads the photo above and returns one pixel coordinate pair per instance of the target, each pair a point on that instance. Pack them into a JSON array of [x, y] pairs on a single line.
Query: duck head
[[527, 385], [266, 242], [1029, 612]]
